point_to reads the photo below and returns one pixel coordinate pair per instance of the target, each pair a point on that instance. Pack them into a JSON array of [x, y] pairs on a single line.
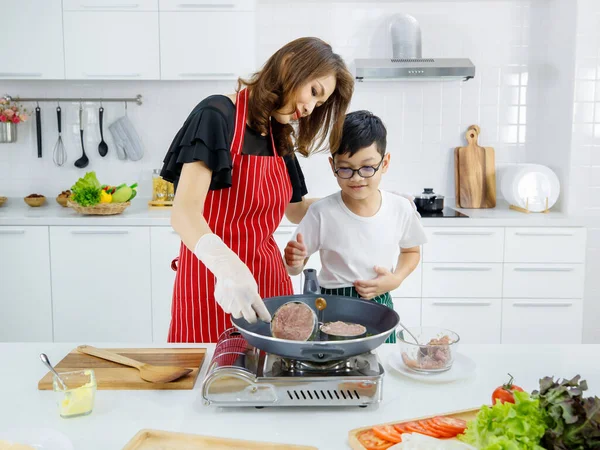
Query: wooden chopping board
[[474, 173], [467, 414], [113, 376], [159, 440]]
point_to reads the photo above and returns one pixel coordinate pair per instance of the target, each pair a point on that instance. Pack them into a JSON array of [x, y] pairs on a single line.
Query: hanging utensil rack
[[137, 99]]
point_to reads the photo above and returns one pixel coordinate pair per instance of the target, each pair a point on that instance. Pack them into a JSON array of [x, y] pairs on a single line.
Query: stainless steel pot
[[379, 320], [429, 201]]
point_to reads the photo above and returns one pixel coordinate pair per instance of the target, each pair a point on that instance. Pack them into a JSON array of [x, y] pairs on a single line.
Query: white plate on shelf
[[529, 185], [38, 438], [463, 367]]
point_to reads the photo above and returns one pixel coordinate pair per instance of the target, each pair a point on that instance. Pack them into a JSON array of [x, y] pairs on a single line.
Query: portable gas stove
[[242, 375]]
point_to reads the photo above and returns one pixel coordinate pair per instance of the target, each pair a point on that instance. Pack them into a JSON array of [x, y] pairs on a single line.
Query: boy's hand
[[385, 281], [295, 252]]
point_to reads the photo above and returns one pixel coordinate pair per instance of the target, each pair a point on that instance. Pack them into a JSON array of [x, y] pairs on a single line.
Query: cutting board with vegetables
[[474, 173], [114, 376], [159, 440], [381, 437]]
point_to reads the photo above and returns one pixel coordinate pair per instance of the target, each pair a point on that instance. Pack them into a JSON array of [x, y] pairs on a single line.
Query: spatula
[[148, 372]]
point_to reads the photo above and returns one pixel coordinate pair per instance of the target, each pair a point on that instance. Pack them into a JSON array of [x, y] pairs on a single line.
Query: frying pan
[[380, 321]]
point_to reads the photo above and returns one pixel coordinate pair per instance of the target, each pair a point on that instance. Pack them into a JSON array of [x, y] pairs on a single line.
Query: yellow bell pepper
[[105, 197]]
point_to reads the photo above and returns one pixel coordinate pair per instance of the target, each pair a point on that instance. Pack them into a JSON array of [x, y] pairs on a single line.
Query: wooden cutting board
[[474, 173], [159, 440], [467, 414], [113, 376]]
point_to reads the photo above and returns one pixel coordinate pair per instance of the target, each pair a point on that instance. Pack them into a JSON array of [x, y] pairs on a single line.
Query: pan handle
[[311, 283], [325, 354]]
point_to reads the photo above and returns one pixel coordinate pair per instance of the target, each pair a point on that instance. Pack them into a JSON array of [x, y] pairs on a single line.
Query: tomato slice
[[371, 441], [388, 432], [416, 427], [433, 432], [442, 433], [400, 428], [448, 423]]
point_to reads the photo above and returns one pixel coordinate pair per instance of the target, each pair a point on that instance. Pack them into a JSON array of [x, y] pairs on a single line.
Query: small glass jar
[[159, 187], [78, 399], [170, 192]]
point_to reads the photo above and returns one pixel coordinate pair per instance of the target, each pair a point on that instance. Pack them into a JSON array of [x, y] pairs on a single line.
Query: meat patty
[[293, 321], [343, 329]]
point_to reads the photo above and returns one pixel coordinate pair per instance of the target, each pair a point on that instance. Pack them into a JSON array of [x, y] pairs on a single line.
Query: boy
[[360, 229]]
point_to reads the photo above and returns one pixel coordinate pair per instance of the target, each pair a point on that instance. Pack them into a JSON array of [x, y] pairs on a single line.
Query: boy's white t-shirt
[[351, 246]]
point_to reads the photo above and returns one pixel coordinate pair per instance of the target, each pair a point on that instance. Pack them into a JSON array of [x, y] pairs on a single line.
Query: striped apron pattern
[[244, 216], [350, 291]]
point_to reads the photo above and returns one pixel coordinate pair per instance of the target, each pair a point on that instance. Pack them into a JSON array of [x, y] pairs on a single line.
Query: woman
[[236, 175]]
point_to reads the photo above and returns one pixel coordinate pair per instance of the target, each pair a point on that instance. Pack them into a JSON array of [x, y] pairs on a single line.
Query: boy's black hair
[[361, 129]]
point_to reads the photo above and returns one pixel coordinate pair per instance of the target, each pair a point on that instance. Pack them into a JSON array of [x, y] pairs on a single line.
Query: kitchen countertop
[[16, 213], [119, 415]]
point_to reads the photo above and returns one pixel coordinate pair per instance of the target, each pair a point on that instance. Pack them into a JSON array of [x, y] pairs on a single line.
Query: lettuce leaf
[[573, 421], [87, 196], [508, 426], [88, 180]]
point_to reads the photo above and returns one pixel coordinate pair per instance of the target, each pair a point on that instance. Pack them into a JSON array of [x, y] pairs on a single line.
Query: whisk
[[60, 154]]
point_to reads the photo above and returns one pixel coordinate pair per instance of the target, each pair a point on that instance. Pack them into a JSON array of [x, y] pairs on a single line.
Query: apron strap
[[241, 112]]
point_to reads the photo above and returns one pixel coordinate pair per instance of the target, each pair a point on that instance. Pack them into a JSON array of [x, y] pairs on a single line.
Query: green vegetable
[[573, 421], [122, 195], [134, 191], [87, 196], [88, 180], [508, 426]]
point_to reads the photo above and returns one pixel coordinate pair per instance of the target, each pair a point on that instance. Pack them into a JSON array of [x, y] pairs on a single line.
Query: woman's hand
[[295, 255], [235, 288], [385, 281]]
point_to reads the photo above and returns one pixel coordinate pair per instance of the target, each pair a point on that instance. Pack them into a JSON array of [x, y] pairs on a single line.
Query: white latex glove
[[235, 288]]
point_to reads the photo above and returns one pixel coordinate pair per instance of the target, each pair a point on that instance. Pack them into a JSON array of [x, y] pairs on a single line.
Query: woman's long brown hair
[[292, 66]]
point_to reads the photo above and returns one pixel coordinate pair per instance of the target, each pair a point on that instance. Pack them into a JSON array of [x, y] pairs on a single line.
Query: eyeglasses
[[365, 171]]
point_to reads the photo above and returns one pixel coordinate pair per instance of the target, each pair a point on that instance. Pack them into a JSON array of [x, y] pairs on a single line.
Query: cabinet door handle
[[206, 5], [463, 269], [532, 233], [96, 6], [463, 233], [12, 231], [460, 303], [542, 304], [21, 74], [99, 232], [111, 75], [543, 269], [205, 74]]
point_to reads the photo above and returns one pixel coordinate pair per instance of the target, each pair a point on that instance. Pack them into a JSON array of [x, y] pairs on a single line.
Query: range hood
[[407, 62]]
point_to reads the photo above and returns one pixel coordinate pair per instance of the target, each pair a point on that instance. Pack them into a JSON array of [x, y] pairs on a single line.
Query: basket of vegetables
[[89, 197]]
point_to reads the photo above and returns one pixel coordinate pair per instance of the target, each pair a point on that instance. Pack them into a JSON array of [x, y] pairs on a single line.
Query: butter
[[78, 401]]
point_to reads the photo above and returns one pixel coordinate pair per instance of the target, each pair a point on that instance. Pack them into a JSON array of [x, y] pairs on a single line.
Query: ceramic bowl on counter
[[434, 352], [35, 200]]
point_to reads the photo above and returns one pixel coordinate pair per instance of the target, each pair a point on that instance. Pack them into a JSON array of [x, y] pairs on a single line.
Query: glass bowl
[[433, 354], [78, 399]]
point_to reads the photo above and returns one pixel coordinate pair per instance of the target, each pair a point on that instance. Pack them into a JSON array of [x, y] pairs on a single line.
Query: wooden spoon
[[148, 372]]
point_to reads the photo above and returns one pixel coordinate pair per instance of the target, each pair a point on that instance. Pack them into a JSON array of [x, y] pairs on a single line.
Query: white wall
[[584, 198], [425, 120]]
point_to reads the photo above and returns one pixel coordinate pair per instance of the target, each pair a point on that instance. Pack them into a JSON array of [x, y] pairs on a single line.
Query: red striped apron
[[245, 217]]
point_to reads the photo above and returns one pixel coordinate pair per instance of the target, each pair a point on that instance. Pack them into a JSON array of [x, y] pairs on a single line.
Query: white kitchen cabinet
[[543, 280], [464, 244], [282, 236], [165, 246], [25, 296], [127, 49], [32, 31], [409, 310], [545, 245], [542, 321], [477, 321], [411, 287], [462, 280], [208, 45], [101, 288]]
